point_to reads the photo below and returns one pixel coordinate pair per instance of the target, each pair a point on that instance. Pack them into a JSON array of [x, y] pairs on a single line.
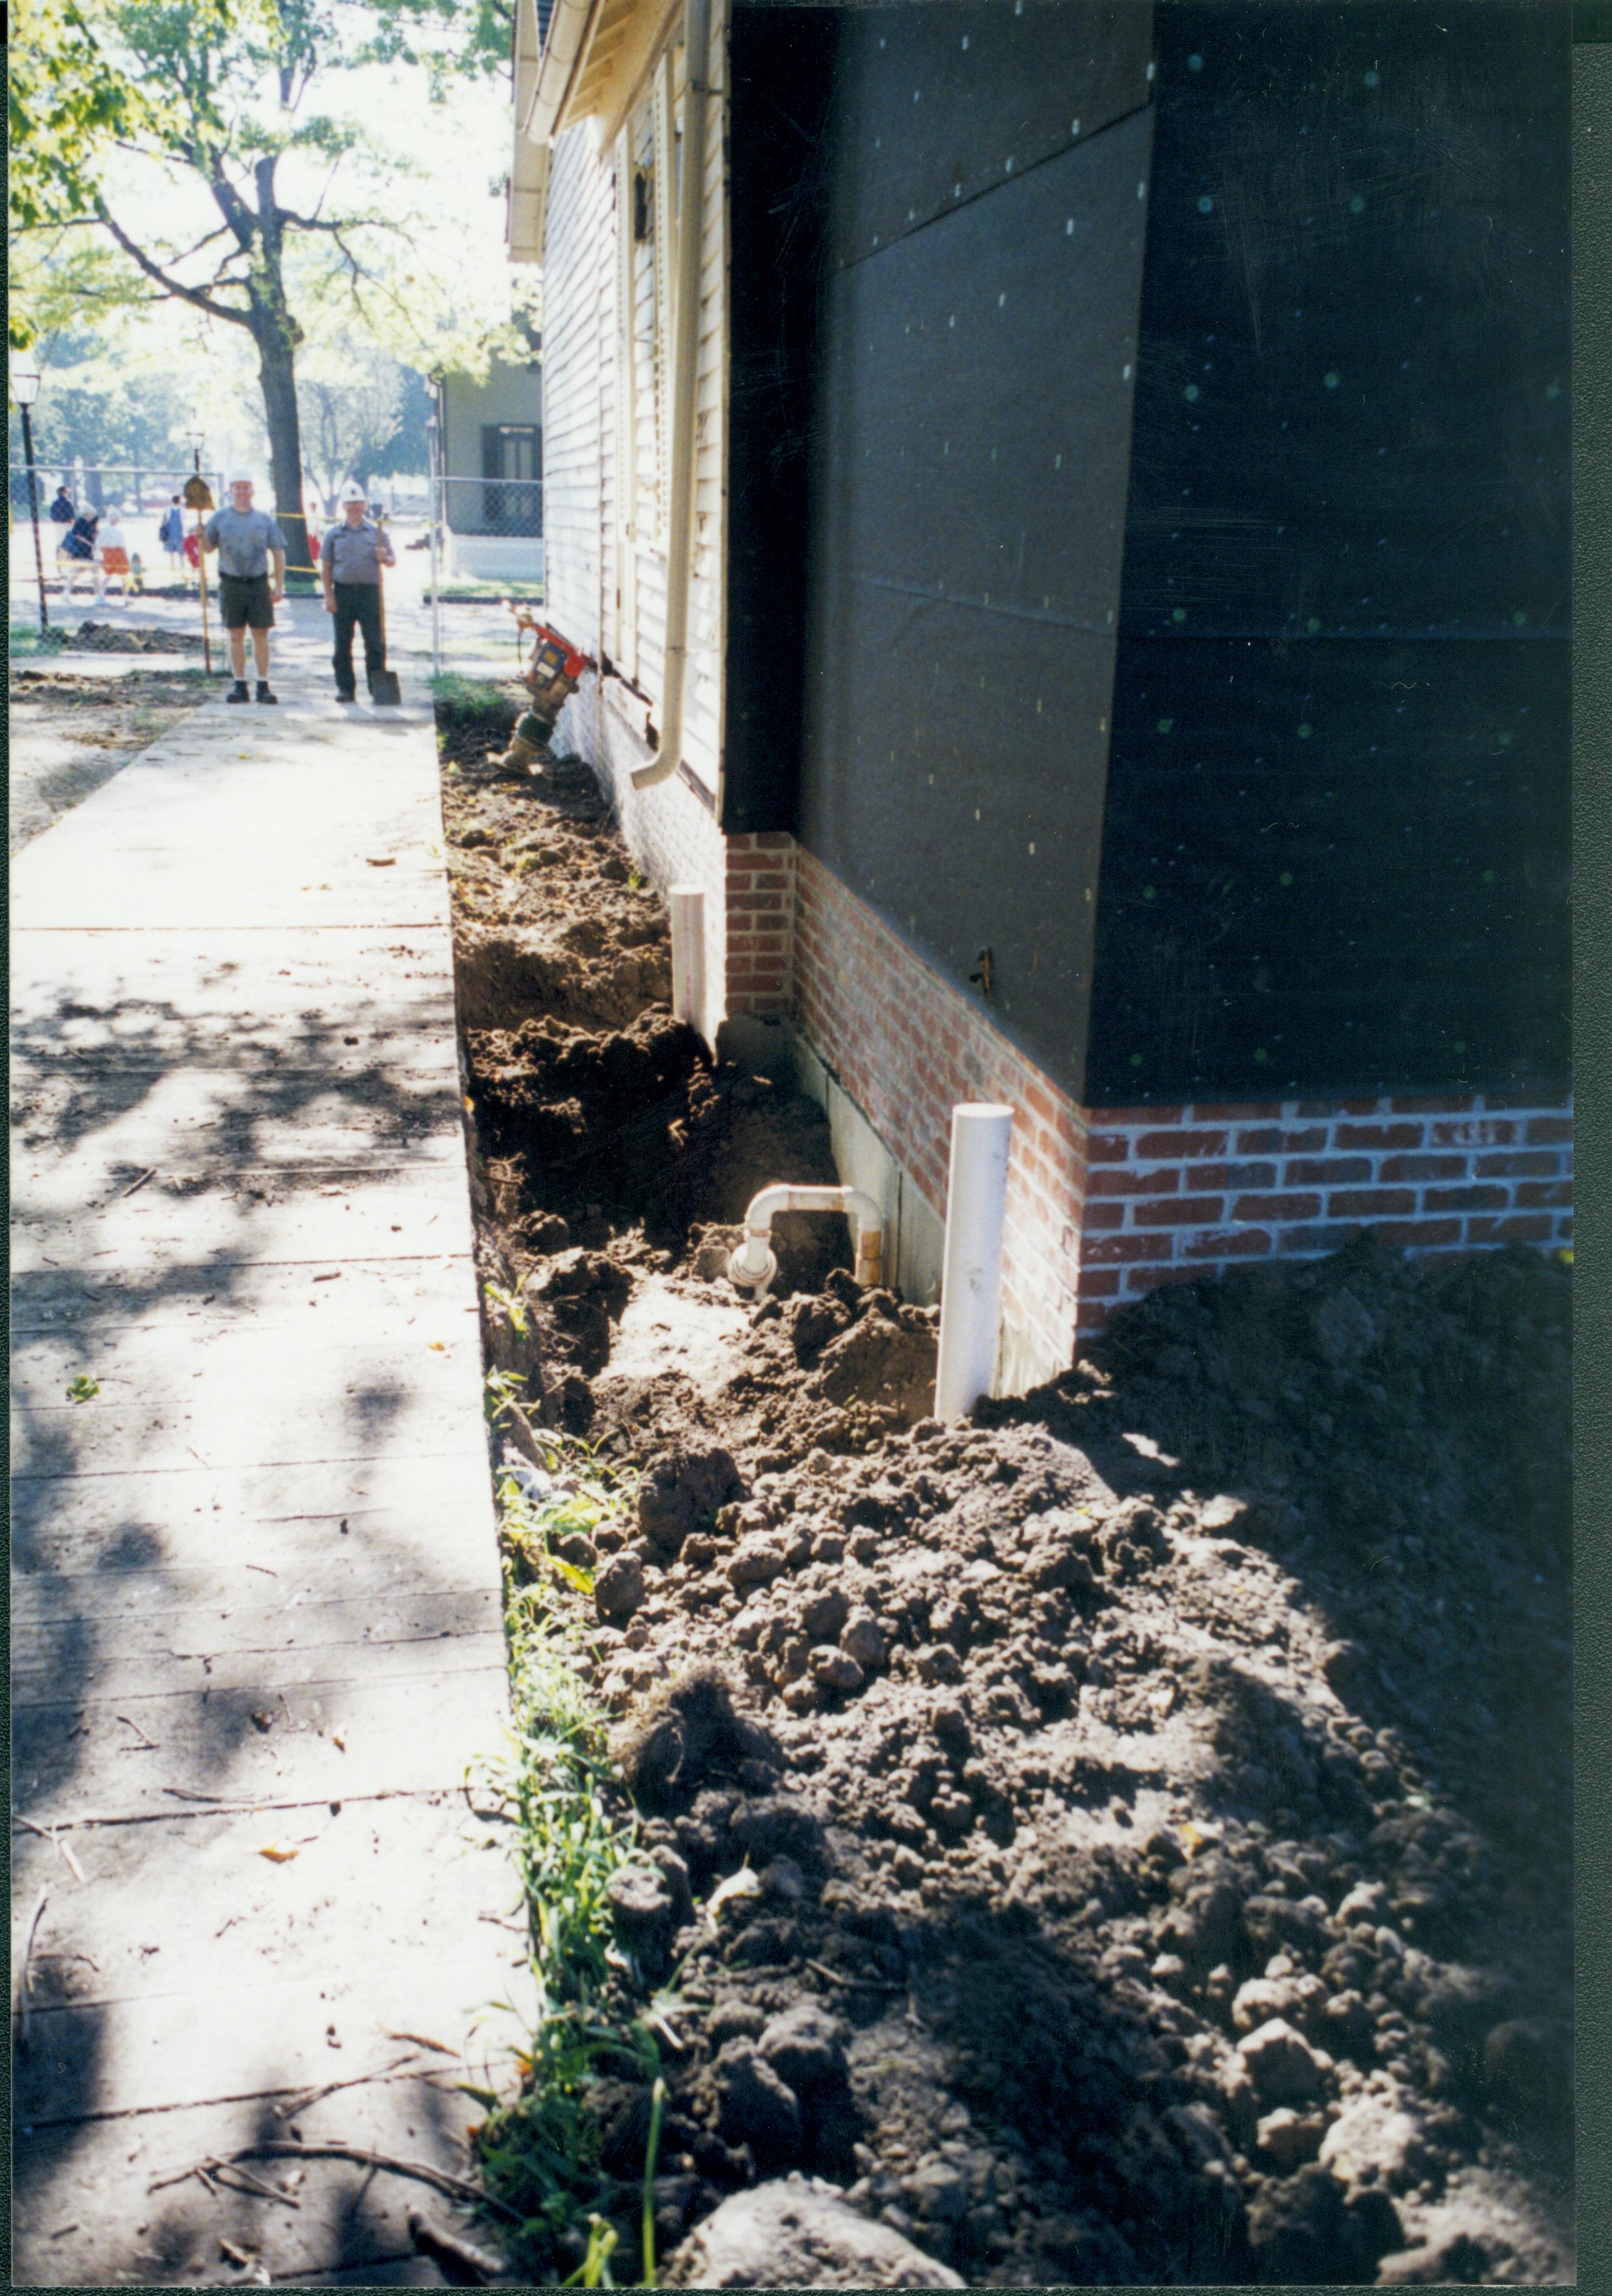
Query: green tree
[[229, 99]]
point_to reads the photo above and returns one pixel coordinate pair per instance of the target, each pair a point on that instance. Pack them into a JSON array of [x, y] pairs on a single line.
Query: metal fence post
[[435, 518]]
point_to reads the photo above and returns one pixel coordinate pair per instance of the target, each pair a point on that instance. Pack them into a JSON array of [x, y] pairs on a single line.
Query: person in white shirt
[[111, 555]]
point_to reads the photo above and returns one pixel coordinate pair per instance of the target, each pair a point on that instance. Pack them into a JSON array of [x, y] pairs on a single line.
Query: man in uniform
[[350, 559], [249, 543]]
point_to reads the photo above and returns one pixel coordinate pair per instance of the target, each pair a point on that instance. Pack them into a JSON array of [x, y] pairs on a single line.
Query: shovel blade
[[384, 690]]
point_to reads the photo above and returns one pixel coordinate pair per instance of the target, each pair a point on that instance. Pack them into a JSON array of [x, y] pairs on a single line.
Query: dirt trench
[[1147, 1807]]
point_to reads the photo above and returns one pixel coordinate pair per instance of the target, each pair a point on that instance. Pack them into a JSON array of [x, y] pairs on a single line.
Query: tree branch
[[174, 287]]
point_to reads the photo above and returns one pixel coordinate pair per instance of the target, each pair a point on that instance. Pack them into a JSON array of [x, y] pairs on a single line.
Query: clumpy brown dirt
[[1140, 1814]]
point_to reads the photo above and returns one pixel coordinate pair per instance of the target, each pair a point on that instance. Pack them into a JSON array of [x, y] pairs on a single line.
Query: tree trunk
[[277, 336], [277, 374]]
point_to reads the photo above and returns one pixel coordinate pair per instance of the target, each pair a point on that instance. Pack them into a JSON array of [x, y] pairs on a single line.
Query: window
[[511, 472]]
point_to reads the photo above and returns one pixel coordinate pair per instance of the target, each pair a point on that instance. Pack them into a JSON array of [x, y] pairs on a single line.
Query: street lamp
[[25, 389]]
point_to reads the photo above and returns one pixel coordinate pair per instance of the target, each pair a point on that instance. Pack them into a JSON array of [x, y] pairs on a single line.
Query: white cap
[[352, 492], [243, 479]]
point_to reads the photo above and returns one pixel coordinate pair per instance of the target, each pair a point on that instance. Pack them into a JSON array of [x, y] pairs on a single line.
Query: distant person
[[78, 547], [170, 534], [111, 555], [193, 555], [350, 559], [249, 543], [62, 509]]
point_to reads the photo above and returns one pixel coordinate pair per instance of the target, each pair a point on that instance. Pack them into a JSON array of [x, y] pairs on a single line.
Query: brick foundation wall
[[1173, 1193], [760, 896], [906, 1047], [1103, 1203]]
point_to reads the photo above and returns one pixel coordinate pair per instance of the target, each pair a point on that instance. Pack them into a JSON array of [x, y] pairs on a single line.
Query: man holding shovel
[[350, 559], [249, 543]]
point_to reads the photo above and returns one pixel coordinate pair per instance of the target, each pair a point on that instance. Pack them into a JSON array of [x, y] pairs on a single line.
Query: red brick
[[1234, 1175], [1549, 1128], [1377, 1135], [1424, 1167], [1169, 1147], [1530, 1193], [1276, 1207], [1472, 1132], [1476, 1196], [1107, 1147], [1179, 1211], [1036, 1100], [1533, 1100], [1370, 1203], [1101, 1219], [1268, 1140], [1332, 1108], [1106, 1182], [772, 841], [1436, 1104], [1520, 1164], [1325, 1171], [1227, 1243], [1104, 1250], [1519, 1227], [1234, 1111]]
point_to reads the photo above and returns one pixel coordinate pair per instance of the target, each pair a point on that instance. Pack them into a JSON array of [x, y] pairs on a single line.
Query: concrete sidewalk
[[256, 1631]]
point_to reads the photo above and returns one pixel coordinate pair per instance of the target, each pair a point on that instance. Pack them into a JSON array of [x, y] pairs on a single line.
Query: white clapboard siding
[[608, 351]]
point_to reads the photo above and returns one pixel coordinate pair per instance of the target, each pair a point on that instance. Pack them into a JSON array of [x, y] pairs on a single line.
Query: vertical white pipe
[[970, 1284], [687, 905]]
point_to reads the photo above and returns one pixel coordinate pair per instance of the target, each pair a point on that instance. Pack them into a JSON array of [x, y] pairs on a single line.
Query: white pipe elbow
[[754, 1265]]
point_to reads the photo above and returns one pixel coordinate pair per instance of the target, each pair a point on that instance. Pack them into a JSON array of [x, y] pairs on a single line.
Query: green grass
[[573, 1828], [479, 593], [24, 638], [458, 696]]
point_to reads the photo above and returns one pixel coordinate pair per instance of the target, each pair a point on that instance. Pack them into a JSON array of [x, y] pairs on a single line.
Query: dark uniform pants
[[357, 603]]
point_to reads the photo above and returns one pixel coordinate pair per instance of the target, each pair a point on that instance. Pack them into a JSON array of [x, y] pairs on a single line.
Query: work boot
[[345, 693], [238, 691], [263, 691]]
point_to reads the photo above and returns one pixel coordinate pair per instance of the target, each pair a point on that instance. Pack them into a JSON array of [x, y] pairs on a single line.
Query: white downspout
[[755, 1263], [687, 906], [970, 1284], [685, 377]]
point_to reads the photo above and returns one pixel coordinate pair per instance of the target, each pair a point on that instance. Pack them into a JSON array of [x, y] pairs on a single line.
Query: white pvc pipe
[[755, 1263], [970, 1284], [686, 379], [687, 905]]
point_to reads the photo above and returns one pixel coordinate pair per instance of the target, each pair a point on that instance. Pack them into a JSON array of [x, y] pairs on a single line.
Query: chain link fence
[[485, 540]]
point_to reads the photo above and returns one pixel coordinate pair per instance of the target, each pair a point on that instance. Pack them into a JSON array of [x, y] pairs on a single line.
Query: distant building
[[491, 445], [1127, 642]]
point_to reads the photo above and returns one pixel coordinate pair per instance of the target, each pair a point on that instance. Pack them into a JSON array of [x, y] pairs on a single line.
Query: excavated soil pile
[[109, 637], [610, 1140], [1140, 1817]]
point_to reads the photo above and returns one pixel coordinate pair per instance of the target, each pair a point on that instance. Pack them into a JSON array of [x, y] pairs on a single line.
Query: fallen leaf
[[276, 1853], [390, 862], [437, 1348], [339, 1740]]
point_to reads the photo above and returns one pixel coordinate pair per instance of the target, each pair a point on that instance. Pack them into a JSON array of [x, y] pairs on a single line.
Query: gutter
[[569, 29], [685, 363]]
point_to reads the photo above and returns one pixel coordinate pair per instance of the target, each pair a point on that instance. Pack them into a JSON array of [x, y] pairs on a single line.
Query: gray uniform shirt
[[244, 540], [353, 553]]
